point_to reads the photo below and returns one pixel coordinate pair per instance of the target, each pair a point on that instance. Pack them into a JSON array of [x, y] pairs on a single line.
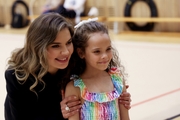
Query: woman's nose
[[65, 51]]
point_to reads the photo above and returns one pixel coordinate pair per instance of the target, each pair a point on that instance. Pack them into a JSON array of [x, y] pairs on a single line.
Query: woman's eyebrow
[[55, 43]]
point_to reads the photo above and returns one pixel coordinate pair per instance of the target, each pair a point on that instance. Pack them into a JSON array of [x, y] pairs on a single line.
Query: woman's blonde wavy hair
[[32, 58]]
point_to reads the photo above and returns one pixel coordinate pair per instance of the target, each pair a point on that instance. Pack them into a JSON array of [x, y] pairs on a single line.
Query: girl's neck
[[98, 81], [88, 74]]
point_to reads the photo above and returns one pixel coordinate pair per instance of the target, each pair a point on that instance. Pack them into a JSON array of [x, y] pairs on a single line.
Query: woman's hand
[[69, 105], [125, 99]]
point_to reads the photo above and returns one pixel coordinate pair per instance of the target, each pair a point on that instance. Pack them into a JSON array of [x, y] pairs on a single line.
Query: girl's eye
[[109, 49], [96, 51]]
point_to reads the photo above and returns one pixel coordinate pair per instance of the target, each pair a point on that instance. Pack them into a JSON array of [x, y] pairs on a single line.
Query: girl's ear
[[80, 53]]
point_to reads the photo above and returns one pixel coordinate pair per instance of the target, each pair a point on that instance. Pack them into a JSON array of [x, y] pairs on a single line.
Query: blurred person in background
[[72, 9], [51, 6]]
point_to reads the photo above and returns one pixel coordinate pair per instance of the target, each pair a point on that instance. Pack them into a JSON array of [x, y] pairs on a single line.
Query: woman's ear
[[80, 53]]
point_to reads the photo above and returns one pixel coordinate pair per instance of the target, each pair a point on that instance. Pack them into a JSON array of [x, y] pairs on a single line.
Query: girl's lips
[[103, 62]]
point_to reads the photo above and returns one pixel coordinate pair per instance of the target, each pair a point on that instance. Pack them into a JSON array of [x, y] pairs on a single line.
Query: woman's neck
[[52, 72]]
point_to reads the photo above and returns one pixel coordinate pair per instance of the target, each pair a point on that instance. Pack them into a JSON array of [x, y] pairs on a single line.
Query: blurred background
[[107, 8], [149, 48]]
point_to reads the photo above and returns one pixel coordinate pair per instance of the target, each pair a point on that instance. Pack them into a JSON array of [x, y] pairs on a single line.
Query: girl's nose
[[104, 56]]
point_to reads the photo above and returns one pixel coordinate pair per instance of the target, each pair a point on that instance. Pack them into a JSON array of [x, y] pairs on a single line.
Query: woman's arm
[[124, 114], [125, 99], [74, 104]]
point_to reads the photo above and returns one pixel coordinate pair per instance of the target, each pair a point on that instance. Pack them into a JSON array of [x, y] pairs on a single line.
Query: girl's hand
[[125, 99], [72, 103]]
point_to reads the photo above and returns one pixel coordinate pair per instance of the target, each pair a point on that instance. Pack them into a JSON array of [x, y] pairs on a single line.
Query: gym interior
[[146, 34]]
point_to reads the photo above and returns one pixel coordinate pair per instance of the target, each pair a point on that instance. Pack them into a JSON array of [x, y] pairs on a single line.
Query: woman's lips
[[62, 59]]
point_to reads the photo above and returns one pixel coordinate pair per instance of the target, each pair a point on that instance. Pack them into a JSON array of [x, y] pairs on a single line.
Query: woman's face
[[60, 51]]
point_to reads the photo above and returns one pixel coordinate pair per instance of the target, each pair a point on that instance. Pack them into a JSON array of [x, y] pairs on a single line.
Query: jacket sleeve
[[23, 104], [16, 104]]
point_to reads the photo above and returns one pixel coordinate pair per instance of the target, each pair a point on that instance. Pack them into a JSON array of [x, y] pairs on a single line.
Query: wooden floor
[[151, 59]]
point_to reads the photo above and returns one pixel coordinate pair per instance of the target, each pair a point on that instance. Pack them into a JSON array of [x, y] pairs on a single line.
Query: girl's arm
[[71, 90], [124, 114]]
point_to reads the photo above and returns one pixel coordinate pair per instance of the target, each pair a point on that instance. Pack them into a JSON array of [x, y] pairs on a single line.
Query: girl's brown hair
[[81, 36]]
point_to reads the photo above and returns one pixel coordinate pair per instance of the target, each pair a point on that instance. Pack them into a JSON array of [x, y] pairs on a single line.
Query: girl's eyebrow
[[100, 48], [95, 48]]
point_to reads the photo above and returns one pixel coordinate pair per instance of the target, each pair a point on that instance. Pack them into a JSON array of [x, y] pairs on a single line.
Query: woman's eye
[[69, 42], [55, 46]]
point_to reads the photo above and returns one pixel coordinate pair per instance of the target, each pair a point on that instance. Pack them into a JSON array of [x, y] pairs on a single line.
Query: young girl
[[99, 77]]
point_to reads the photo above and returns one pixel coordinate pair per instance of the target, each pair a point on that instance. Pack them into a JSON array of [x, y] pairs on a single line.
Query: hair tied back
[[85, 21]]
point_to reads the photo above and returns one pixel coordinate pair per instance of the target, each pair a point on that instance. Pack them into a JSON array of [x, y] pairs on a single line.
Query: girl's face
[[98, 52], [60, 51]]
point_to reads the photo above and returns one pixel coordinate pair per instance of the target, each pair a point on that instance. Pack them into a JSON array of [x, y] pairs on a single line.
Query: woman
[[34, 77]]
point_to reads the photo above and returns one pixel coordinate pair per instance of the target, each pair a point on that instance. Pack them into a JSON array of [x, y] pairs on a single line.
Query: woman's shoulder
[[12, 84], [9, 73], [8, 70], [11, 79]]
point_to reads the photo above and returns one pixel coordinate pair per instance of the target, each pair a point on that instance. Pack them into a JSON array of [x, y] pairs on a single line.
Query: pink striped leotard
[[100, 106]]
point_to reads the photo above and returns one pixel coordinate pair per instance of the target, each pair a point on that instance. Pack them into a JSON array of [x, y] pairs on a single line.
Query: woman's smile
[[63, 60]]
